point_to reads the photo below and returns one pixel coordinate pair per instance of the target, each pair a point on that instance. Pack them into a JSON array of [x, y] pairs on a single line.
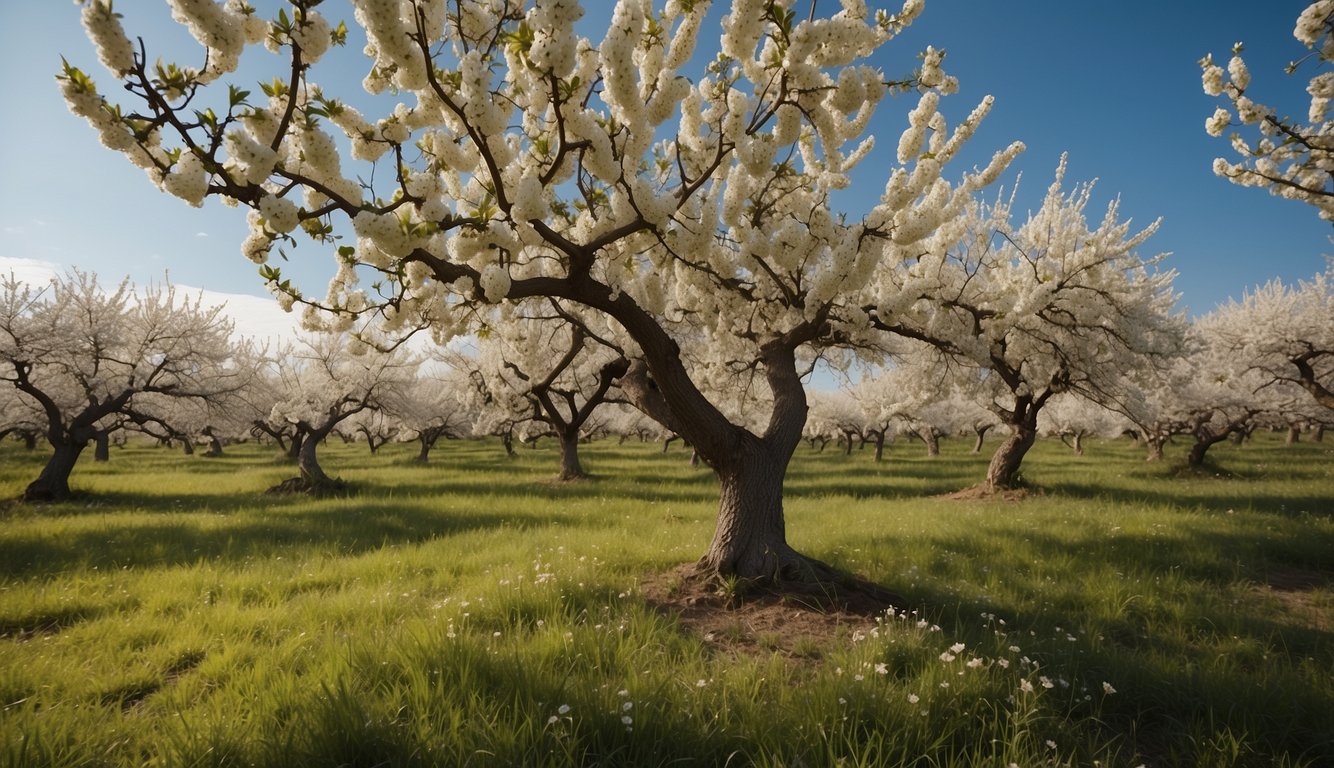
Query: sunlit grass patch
[[472, 612]]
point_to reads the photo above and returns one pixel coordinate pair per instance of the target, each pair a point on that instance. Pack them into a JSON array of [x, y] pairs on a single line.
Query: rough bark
[[1003, 472], [308, 463], [932, 440], [879, 438], [1294, 434], [53, 482], [570, 468], [1318, 434]]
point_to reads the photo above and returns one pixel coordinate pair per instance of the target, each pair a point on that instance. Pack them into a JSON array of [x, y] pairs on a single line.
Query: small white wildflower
[[913, 698], [563, 709], [1107, 688]]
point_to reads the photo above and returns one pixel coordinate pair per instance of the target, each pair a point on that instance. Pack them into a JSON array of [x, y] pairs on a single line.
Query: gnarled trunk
[[932, 441], [1155, 445], [309, 464], [425, 443], [1003, 472], [750, 539], [53, 483]]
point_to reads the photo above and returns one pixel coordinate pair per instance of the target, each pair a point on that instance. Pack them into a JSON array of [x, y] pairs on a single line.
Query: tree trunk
[[53, 483], [1077, 443], [1003, 472], [570, 468], [507, 440], [1317, 434], [214, 445], [30, 440], [1155, 445], [425, 443], [102, 447], [1294, 434], [309, 464], [187, 446], [750, 540], [1197, 451], [981, 434], [879, 447], [297, 444], [932, 441]]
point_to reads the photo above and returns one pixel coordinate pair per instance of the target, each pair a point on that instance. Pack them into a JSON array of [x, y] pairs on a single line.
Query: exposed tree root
[[795, 580], [301, 485], [800, 619]]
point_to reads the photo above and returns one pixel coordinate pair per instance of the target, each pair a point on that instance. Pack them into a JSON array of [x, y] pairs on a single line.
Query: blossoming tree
[[325, 379], [1285, 332], [1055, 305], [92, 360], [1293, 158], [523, 160], [552, 366]]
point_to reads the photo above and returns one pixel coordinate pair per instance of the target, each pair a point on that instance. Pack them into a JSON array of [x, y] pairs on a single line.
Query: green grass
[[472, 612]]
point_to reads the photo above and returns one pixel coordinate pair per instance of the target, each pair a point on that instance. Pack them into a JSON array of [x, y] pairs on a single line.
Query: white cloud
[[257, 317], [201, 234], [32, 271]]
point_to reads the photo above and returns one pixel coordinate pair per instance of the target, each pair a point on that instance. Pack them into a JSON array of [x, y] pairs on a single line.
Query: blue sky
[[1114, 84]]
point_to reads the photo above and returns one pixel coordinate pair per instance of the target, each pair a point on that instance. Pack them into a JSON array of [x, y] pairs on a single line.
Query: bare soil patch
[[984, 492], [802, 624]]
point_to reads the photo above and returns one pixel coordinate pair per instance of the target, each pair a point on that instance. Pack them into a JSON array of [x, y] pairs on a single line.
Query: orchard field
[[473, 612]]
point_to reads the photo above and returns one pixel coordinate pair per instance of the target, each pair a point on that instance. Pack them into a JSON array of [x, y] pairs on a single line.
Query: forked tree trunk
[[1155, 445], [53, 483], [981, 433], [1003, 472], [425, 443]]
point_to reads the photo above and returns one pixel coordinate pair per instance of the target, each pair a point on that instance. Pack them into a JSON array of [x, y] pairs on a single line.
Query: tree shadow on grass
[[346, 526]]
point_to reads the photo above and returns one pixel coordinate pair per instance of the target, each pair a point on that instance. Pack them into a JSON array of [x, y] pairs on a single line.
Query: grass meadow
[[473, 612]]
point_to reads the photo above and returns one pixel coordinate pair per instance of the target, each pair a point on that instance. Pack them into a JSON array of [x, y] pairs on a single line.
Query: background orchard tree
[[92, 359], [1286, 333], [1289, 156], [524, 161], [327, 378], [433, 406], [1072, 418], [1052, 306], [555, 365], [20, 418]]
